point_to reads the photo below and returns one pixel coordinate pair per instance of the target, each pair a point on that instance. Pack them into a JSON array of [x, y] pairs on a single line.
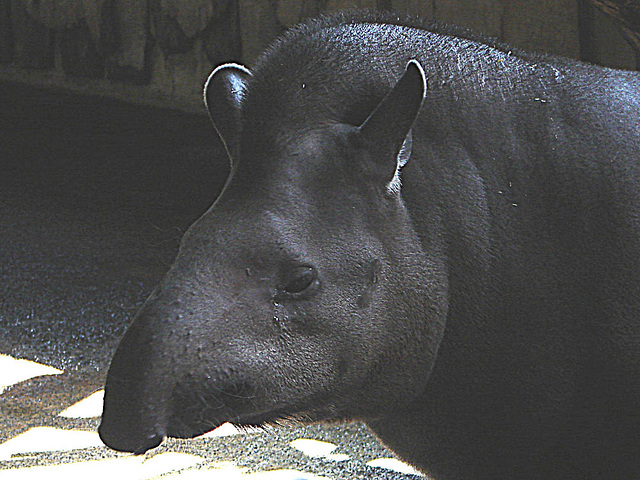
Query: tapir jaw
[[139, 415], [198, 408], [192, 412], [140, 411]]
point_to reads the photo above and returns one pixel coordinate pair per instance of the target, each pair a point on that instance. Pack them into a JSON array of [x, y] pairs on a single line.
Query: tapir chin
[[422, 230]]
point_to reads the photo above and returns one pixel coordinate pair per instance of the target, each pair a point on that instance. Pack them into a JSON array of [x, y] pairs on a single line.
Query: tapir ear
[[388, 129], [223, 94]]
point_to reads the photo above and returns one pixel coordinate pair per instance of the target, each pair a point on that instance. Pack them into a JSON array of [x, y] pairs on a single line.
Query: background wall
[[164, 49]]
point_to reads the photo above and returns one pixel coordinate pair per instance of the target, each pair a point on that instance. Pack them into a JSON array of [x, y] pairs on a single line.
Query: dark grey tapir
[[421, 230]]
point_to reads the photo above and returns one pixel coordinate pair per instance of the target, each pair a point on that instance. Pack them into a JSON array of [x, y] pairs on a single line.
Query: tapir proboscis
[[422, 230]]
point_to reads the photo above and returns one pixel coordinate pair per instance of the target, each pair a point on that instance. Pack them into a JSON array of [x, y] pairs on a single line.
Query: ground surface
[[94, 196]]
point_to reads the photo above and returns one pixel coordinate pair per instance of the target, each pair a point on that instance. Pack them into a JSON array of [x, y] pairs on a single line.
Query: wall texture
[[167, 47]]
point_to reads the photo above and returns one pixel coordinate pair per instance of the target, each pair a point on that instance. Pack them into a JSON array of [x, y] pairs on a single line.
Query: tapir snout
[[168, 388], [189, 408]]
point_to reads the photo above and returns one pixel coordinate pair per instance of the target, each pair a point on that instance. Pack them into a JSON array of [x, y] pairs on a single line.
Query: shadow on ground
[[94, 196]]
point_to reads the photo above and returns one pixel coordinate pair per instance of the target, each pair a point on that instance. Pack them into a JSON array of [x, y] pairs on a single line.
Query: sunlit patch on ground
[[74, 451], [48, 439], [14, 370], [318, 449], [89, 407], [130, 467]]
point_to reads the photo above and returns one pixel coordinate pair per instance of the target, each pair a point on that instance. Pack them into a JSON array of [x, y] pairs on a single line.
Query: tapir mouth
[[194, 409], [197, 407], [180, 426], [192, 418]]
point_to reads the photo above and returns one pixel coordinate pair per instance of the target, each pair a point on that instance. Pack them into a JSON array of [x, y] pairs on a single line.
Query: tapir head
[[305, 292]]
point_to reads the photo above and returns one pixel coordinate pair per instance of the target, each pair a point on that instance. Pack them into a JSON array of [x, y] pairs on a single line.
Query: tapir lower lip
[[287, 413], [179, 428], [152, 442]]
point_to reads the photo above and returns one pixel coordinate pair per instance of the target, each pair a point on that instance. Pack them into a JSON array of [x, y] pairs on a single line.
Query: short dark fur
[[499, 333]]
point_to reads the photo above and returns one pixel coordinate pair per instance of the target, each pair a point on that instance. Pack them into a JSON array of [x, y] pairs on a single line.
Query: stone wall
[[167, 47]]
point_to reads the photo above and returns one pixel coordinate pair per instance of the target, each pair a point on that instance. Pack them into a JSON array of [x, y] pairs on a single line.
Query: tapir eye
[[300, 280]]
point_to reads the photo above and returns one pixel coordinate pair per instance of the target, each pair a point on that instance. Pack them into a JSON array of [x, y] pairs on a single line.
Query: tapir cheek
[[298, 319], [201, 404], [260, 384]]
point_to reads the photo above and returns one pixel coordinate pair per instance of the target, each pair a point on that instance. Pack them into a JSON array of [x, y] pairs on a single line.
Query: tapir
[[422, 230]]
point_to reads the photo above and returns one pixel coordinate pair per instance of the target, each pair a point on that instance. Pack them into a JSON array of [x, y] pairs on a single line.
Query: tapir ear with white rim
[[387, 131], [223, 93]]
